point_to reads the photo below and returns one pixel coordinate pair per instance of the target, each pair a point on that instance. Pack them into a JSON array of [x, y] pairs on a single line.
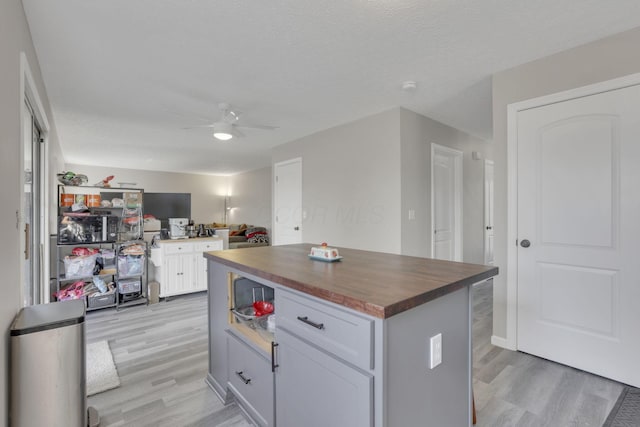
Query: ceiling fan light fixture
[[222, 131]]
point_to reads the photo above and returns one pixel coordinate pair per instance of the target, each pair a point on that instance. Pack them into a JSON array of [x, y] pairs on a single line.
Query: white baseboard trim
[[501, 342]]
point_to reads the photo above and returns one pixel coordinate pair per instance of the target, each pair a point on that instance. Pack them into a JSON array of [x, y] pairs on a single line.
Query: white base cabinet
[[180, 267]]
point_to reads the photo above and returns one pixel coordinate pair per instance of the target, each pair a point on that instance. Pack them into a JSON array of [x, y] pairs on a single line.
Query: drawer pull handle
[[243, 378], [274, 365], [306, 320]]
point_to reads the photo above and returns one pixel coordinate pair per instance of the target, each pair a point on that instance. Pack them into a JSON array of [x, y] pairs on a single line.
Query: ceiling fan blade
[[200, 126], [255, 126], [189, 115]]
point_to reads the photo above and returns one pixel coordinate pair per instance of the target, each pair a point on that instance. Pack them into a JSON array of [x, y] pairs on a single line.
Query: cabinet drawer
[[209, 246], [178, 248], [345, 334], [251, 380]]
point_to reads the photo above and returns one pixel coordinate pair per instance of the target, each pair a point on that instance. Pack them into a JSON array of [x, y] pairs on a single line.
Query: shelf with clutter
[[101, 255], [103, 274]]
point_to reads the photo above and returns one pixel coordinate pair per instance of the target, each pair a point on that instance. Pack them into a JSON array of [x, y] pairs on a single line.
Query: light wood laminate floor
[[517, 389], [160, 352]]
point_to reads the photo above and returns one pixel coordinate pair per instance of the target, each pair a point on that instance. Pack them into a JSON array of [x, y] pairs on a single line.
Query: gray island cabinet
[[349, 343]]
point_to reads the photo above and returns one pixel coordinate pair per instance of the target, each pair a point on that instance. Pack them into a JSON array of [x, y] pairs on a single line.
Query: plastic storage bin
[[130, 265], [79, 266], [128, 286], [101, 300]]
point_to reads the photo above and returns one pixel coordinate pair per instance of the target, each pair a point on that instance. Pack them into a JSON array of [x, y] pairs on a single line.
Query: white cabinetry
[[201, 262], [178, 278], [179, 265]]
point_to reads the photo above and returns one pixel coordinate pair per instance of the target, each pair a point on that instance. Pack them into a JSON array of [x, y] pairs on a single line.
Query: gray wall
[[251, 198], [360, 179], [207, 191], [14, 38], [417, 134], [351, 183], [602, 60]]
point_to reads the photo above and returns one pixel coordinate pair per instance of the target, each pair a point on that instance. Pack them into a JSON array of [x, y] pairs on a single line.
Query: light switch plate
[[435, 354]]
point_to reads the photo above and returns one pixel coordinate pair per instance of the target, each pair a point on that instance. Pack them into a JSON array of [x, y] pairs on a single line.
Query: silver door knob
[[525, 243]]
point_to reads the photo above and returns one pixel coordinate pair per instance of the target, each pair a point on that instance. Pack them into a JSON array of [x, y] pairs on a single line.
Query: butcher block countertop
[[374, 283]]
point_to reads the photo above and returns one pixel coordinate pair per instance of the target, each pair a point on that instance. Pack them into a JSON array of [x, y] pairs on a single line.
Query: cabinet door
[[179, 276], [201, 272], [201, 262], [188, 273], [173, 275], [314, 389]]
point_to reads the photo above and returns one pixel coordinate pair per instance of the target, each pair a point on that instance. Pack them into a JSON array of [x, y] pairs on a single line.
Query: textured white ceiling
[[124, 77]]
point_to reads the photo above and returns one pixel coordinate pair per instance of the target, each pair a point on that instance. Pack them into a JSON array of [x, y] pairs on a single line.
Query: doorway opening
[[446, 203]]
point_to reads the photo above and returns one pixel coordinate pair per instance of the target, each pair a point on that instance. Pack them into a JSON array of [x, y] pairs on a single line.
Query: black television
[[167, 205]]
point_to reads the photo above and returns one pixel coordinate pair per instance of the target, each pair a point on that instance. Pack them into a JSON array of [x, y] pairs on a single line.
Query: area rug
[[626, 411], [101, 371]]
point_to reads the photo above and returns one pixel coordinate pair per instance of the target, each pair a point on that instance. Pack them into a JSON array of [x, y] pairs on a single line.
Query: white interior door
[[287, 202], [446, 203], [488, 212], [578, 230]]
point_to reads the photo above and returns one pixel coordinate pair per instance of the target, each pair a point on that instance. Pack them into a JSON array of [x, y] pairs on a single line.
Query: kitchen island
[[350, 342]]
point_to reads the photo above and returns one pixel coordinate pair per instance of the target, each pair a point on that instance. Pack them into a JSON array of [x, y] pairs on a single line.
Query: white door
[[579, 233], [288, 202], [488, 212], [446, 203]]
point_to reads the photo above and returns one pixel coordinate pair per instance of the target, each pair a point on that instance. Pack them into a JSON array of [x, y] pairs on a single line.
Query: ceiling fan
[[227, 127]]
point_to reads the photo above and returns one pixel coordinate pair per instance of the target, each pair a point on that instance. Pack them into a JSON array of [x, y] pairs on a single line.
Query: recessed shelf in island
[[243, 318]]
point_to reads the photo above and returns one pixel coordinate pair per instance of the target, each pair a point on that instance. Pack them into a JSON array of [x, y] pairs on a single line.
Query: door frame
[[511, 340], [489, 204], [29, 91], [275, 227], [457, 211]]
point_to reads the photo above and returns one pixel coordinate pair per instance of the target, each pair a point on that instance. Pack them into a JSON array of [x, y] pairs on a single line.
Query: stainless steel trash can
[[48, 383]]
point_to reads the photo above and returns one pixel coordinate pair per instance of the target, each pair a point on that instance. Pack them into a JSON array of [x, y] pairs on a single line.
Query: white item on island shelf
[[324, 252], [271, 323]]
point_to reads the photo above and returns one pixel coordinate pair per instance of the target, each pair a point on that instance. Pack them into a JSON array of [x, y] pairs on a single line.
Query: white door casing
[[488, 212], [446, 203], [29, 94], [578, 206], [509, 340], [287, 202]]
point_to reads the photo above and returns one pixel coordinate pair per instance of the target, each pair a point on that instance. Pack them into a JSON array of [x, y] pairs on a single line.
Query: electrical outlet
[[435, 356], [412, 214]]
